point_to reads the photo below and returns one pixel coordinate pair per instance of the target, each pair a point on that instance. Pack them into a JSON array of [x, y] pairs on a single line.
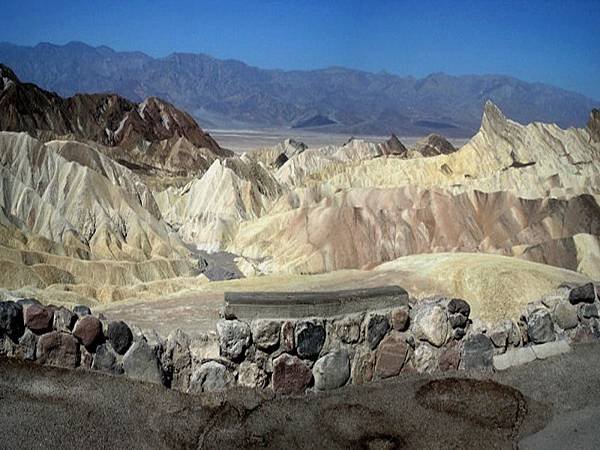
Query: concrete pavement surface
[[552, 403]]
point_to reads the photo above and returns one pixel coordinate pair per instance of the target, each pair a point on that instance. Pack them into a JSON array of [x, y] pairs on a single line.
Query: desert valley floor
[[241, 141]]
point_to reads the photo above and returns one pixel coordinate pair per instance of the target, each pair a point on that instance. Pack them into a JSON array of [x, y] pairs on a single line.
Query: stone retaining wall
[[292, 355]]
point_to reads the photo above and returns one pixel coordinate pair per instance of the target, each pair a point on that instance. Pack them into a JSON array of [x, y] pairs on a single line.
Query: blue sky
[[552, 41]]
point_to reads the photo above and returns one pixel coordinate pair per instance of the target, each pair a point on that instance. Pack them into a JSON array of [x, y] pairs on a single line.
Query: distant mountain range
[[228, 93]]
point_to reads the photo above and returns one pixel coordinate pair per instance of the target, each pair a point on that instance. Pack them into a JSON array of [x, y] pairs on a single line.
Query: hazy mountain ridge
[[230, 92]]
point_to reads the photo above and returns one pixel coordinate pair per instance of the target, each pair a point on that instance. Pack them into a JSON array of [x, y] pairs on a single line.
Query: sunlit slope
[[530, 191], [361, 227], [496, 287], [71, 216], [531, 161]]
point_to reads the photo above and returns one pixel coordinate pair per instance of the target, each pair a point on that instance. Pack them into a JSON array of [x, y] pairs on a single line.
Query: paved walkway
[[195, 313], [51, 408]]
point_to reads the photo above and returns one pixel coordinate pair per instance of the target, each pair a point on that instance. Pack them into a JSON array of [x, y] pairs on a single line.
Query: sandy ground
[[497, 287], [197, 311], [548, 404]]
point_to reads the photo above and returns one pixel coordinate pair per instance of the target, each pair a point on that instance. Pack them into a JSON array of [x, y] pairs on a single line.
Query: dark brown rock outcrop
[[145, 136], [393, 146], [434, 145]]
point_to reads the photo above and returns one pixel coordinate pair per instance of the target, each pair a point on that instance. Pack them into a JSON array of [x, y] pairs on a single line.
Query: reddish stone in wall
[[88, 330], [39, 318], [290, 375], [391, 355], [400, 319], [58, 349], [363, 367], [450, 357]]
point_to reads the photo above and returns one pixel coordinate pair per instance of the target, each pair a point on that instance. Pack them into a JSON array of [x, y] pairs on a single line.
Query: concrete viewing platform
[[281, 305]]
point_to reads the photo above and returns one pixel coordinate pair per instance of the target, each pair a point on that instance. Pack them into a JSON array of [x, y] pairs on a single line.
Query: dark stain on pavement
[[470, 399]]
